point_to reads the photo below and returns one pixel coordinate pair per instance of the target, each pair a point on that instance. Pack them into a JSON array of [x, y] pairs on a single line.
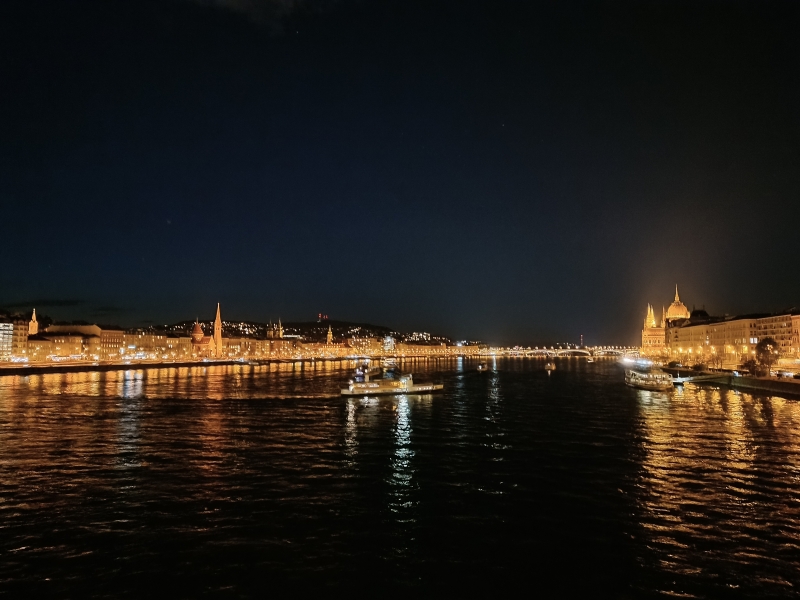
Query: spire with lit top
[[218, 334]]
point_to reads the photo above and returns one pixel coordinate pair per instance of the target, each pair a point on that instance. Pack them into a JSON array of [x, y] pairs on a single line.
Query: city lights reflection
[[402, 469]]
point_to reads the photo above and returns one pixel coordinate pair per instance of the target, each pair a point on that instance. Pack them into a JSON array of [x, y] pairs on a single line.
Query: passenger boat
[[385, 380], [551, 366], [483, 367], [649, 379]]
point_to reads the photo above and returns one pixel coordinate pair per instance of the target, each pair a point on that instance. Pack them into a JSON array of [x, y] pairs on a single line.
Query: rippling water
[[240, 481]]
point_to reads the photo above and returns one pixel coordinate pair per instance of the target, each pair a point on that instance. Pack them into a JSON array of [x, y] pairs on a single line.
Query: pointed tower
[[650, 318], [33, 326], [280, 329], [330, 336], [218, 335], [677, 298], [663, 316]]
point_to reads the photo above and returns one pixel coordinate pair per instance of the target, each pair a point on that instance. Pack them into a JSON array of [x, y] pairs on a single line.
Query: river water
[[243, 481]]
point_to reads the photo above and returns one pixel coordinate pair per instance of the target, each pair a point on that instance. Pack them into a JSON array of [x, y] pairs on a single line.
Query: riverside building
[[654, 335], [23, 341], [731, 340], [697, 337]]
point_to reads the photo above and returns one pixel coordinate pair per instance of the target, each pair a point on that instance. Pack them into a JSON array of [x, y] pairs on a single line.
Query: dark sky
[[509, 171]]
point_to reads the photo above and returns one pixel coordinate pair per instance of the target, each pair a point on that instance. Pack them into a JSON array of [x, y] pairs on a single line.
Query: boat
[[649, 379], [483, 367], [385, 380], [551, 366], [589, 360]]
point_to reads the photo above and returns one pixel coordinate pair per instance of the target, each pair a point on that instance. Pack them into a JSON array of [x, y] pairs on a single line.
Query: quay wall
[[779, 387], [748, 383]]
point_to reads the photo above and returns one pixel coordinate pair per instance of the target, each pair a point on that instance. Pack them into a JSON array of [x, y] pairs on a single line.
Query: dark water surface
[[242, 481]]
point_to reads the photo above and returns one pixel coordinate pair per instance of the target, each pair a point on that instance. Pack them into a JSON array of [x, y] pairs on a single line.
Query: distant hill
[[309, 331]]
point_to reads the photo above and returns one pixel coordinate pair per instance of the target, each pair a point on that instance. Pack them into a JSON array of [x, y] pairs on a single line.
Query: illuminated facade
[[218, 334], [19, 339], [59, 343], [677, 310], [731, 340], [6, 335], [652, 333], [202, 345], [275, 331], [33, 326]]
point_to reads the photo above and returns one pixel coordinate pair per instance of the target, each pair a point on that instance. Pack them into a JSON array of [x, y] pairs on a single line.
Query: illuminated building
[[112, 344], [365, 346], [96, 343], [178, 347], [417, 336], [19, 339], [677, 310], [652, 333], [33, 326], [218, 335], [6, 336], [275, 331], [13, 339], [202, 344], [731, 340], [39, 348]]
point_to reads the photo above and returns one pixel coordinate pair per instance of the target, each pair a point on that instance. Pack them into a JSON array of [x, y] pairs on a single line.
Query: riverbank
[[102, 367], [770, 385]]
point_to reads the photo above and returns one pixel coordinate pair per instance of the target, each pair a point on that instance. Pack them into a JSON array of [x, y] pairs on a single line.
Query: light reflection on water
[[402, 479], [508, 475], [720, 487]]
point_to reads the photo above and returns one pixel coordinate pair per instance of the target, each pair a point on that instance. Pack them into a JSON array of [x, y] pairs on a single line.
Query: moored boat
[[649, 379]]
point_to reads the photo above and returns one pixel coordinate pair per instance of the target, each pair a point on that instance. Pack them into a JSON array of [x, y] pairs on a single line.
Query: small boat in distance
[[385, 380], [483, 367], [652, 379], [550, 366]]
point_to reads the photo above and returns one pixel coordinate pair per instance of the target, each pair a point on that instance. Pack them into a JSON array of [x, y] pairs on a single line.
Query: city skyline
[[503, 171]]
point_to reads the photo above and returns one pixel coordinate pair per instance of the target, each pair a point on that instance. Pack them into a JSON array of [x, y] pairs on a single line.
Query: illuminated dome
[[197, 332], [677, 310]]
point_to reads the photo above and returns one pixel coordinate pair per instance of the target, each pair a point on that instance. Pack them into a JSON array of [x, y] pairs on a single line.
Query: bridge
[[560, 351]]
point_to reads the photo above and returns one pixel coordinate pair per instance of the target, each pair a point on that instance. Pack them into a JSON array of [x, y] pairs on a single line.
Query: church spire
[[33, 326], [218, 334], [330, 336], [677, 298]]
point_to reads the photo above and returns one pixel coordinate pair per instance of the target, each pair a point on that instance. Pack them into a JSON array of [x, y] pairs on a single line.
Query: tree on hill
[[767, 353]]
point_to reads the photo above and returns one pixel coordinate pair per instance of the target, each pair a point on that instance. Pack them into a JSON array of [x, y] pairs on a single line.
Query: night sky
[[515, 172]]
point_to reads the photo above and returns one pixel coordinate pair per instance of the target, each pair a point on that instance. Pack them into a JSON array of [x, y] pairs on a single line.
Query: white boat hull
[[374, 389], [660, 382]]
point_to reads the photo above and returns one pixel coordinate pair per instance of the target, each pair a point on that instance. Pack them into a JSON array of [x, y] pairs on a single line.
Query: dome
[[677, 310]]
